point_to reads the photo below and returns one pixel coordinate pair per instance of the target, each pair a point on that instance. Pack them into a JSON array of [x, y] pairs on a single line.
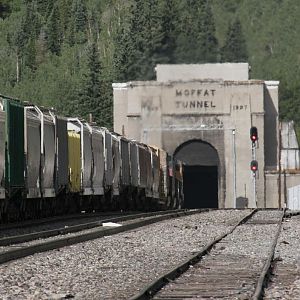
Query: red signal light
[[254, 166], [253, 134]]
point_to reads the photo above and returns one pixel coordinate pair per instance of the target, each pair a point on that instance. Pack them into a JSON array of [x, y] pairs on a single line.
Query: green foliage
[[235, 49], [45, 7], [30, 55], [90, 100], [67, 53], [270, 29], [53, 32], [208, 42], [196, 41], [146, 40], [5, 9], [123, 55], [31, 22], [79, 13]]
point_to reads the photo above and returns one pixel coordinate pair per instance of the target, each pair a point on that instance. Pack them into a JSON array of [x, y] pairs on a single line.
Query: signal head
[[254, 166], [253, 134]]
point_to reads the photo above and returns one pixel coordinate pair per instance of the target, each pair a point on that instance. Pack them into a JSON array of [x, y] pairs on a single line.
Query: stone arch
[[173, 140], [197, 152], [202, 173]]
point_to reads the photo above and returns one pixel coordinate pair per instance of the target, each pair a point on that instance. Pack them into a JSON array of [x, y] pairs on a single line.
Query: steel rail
[[22, 238], [264, 276], [23, 251], [42, 221], [164, 279], [290, 213]]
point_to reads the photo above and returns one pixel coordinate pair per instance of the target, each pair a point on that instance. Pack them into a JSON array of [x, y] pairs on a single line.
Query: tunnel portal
[[200, 174]]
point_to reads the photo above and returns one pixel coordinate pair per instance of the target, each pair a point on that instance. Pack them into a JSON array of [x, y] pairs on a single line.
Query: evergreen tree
[[136, 39], [148, 39], [5, 9], [53, 32], [196, 41], [169, 24], [235, 48], [30, 55], [187, 31], [208, 42], [45, 7], [159, 37], [71, 36], [123, 55], [127, 41], [31, 23], [77, 32], [92, 97], [65, 16], [79, 12], [23, 38]]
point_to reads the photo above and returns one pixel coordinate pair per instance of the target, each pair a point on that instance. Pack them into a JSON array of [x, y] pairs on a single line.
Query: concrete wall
[[290, 156], [277, 187], [226, 71], [170, 114], [220, 112], [120, 107], [271, 125]]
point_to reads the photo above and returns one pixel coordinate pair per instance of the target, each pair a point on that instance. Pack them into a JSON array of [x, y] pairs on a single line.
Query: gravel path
[[113, 267], [286, 282]]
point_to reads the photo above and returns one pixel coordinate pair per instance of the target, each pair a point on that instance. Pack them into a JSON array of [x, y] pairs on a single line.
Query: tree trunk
[[18, 69]]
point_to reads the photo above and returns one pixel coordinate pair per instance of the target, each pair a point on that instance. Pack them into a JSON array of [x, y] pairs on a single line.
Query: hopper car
[[52, 165]]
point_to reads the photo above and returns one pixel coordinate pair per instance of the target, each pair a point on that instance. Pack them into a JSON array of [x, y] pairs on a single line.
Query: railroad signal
[[254, 166], [253, 134]]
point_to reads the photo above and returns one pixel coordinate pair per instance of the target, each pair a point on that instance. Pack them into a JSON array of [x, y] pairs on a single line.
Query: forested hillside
[[66, 53]]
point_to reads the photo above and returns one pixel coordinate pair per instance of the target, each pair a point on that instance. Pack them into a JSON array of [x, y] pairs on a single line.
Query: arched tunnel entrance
[[200, 174]]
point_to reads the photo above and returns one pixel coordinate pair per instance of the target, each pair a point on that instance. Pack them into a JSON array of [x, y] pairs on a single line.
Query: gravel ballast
[[285, 284], [232, 268], [113, 267]]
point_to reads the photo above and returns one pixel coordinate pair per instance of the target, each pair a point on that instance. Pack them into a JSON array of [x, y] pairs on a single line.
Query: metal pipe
[[279, 165], [234, 168], [42, 127], [53, 116]]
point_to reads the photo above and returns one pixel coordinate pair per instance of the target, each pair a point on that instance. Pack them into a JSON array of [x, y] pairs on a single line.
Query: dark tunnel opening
[[200, 186]]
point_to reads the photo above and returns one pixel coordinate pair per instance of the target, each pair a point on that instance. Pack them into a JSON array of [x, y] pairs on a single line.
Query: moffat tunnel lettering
[[195, 104], [194, 92]]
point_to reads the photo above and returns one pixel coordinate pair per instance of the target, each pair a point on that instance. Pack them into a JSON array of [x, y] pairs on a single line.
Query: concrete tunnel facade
[[206, 123]]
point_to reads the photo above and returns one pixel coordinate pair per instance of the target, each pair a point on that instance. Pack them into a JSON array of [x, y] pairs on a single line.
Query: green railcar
[[14, 146]]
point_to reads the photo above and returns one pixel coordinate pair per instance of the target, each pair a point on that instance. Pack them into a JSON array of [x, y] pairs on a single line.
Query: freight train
[[53, 165]]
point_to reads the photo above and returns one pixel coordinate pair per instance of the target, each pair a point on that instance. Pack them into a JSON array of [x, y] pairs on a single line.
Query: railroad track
[[284, 282], [61, 218], [58, 226], [14, 247], [225, 268]]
